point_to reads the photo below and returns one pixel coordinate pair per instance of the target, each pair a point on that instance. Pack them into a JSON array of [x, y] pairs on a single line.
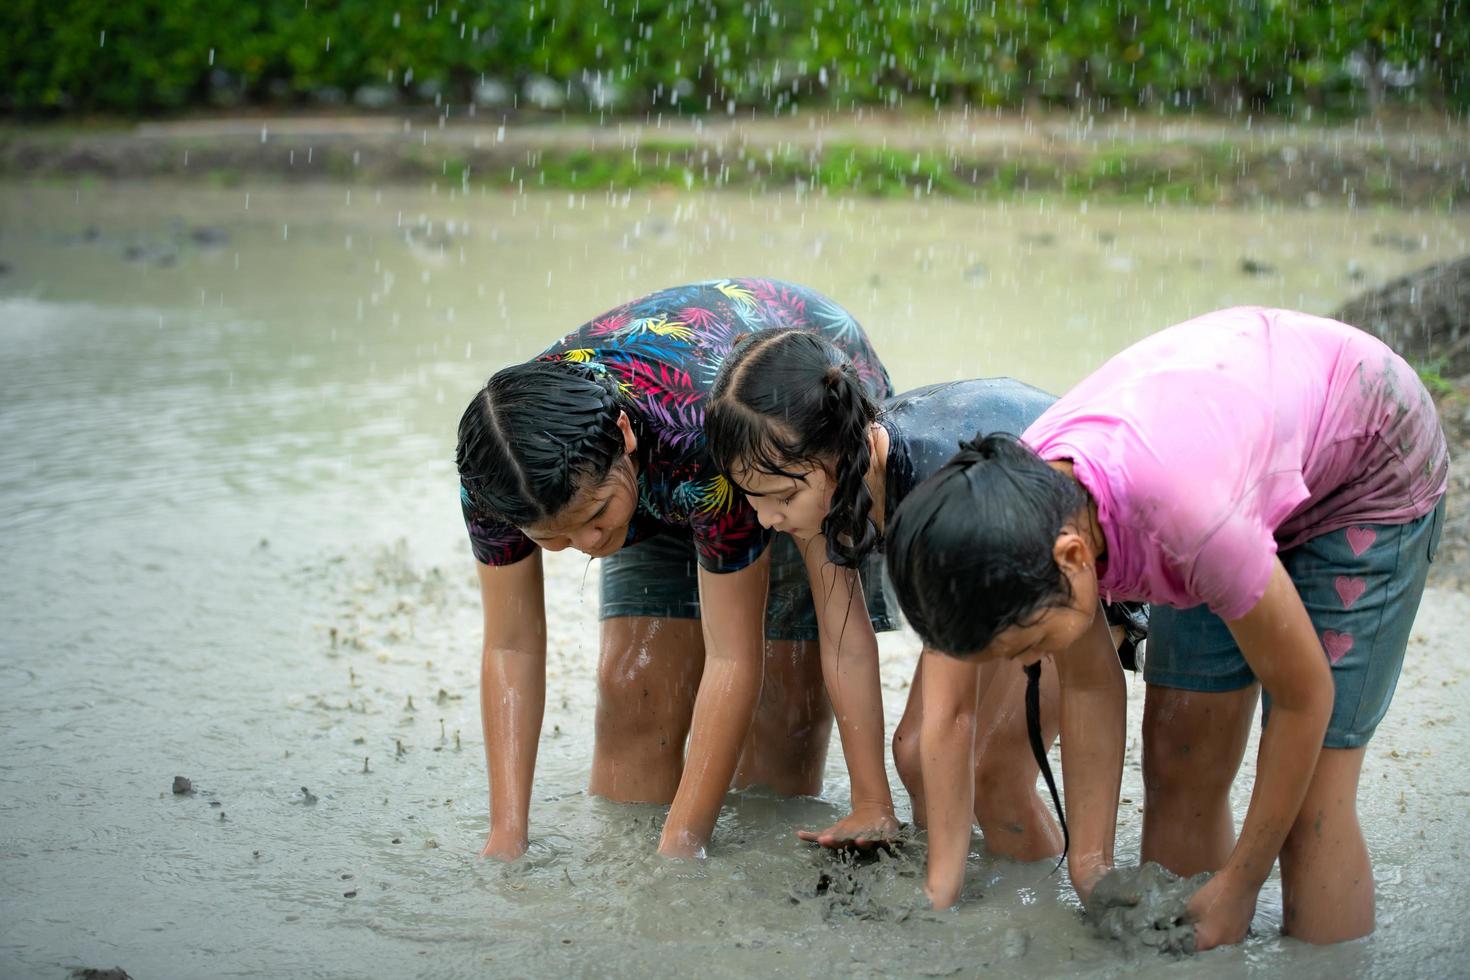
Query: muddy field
[[228, 498]]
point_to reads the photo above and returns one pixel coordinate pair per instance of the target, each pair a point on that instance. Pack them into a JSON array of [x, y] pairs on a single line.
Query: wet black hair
[[971, 550], [536, 434], [788, 398]]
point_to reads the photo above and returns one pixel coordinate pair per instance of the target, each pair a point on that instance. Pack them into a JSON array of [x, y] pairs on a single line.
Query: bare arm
[[732, 608], [1280, 644], [850, 669], [512, 695], [947, 743], [1094, 716]]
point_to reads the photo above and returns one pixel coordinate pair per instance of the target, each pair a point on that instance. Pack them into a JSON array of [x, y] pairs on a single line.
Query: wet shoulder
[[932, 421]]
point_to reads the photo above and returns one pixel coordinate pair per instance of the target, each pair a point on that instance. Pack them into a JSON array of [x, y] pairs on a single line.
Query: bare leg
[[647, 677], [1326, 875], [906, 756], [1192, 746], [1016, 821], [787, 746]]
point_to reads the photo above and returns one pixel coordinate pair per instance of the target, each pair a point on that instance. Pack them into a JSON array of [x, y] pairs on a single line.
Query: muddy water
[[233, 554]]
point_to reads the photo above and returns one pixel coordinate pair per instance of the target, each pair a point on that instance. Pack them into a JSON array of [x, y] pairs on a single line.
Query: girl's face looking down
[[596, 521], [795, 502], [1055, 628]]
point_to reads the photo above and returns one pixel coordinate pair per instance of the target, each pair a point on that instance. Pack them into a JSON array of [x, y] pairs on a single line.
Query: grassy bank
[[962, 156]]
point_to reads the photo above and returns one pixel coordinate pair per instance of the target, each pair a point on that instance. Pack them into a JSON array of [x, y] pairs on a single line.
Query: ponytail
[[848, 526]]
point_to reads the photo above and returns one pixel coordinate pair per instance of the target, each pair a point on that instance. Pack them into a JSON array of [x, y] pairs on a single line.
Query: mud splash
[[875, 885]]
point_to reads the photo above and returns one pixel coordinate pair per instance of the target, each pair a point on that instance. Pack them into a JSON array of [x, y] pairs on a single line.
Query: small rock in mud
[[207, 235], [1145, 907], [94, 973], [1255, 267], [306, 797], [183, 786]]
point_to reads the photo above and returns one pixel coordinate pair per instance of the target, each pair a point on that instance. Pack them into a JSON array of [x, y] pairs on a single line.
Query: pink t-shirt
[[1212, 444]]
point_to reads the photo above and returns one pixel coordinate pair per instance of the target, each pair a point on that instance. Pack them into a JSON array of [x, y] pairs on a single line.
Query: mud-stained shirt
[[665, 351], [1212, 444]]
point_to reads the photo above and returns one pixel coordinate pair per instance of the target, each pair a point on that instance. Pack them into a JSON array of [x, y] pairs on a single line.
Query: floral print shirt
[[665, 350]]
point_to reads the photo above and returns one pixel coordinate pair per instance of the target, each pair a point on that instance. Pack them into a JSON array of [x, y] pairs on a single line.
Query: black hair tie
[[1033, 734]]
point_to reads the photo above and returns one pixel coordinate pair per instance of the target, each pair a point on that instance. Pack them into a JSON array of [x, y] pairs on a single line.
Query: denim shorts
[[659, 577], [1361, 586]]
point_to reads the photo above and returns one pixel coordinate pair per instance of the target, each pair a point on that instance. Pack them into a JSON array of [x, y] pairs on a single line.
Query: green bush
[[715, 56]]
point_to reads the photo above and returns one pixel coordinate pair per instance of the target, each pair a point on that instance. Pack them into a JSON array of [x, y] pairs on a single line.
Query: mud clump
[[93, 973], [1145, 907], [183, 786], [864, 884]]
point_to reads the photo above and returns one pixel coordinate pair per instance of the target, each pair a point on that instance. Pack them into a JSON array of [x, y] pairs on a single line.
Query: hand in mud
[[864, 827], [505, 845], [941, 897], [1221, 911]]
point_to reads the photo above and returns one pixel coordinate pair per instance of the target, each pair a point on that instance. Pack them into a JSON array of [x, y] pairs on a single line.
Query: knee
[[629, 704], [906, 758], [1004, 781], [1182, 765]]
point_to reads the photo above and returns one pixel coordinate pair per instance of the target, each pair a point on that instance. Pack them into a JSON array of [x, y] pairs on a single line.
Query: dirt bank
[[966, 155], [1425, 316]]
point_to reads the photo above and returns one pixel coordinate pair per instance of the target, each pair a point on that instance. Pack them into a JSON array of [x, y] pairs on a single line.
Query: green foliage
[[717, 56], [1434, 380]]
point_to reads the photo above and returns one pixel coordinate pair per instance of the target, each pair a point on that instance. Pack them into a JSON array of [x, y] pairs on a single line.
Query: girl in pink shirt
[[1275, 477]]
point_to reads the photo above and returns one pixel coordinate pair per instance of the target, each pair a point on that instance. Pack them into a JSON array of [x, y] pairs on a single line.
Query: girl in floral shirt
[[598, 445]]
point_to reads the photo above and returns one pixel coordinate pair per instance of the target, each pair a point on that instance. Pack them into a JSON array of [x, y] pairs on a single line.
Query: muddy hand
[[505, 845], [1097, 885], [864, 827], [1221, 912]]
